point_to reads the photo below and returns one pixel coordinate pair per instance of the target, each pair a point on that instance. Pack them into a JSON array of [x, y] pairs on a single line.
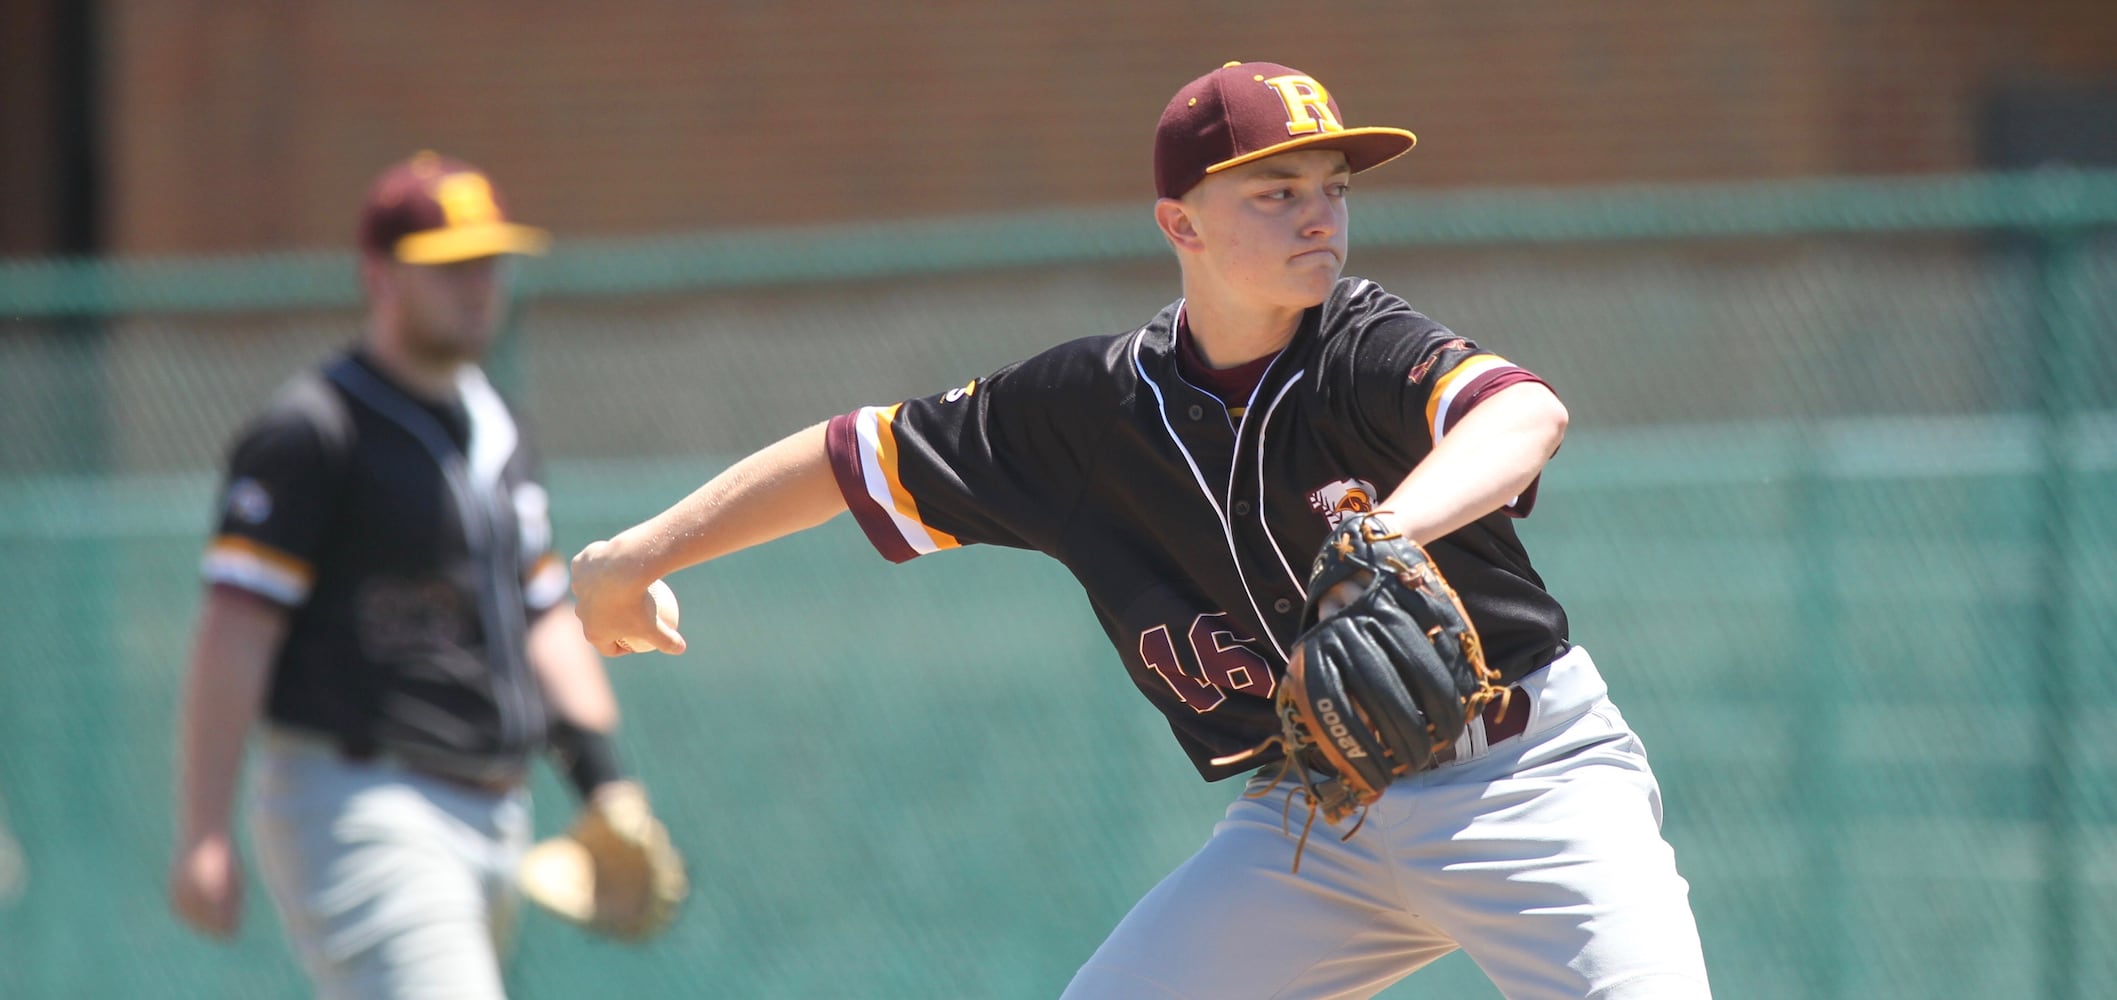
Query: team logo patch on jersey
[[960, 392], [1342, 499], [248, 501], [1418, 371]]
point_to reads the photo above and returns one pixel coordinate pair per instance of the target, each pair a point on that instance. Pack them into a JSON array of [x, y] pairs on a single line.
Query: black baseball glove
[[1385, 673]]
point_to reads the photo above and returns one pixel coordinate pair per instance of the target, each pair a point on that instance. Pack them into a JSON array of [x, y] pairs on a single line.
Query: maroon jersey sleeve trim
[[1481, 388], [1523, 504], [841, 438]]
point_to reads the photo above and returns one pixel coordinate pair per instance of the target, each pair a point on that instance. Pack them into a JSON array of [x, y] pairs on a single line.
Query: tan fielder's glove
[[615, 872]]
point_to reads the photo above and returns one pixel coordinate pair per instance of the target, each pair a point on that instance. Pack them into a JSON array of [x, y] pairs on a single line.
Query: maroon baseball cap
[[433, 209], [1247, 111]]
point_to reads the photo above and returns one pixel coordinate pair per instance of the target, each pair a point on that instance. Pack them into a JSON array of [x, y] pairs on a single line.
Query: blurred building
[[188, 126]]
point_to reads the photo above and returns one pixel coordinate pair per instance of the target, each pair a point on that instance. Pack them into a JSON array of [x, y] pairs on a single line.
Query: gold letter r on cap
[[1307, 105], [466, 199]]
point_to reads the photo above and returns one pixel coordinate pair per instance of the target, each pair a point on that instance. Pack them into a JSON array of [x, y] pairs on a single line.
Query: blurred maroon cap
[[1247, 111], [434, 209]]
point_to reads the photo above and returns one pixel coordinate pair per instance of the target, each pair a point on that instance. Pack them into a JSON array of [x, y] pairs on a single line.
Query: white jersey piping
[[1227, 531]]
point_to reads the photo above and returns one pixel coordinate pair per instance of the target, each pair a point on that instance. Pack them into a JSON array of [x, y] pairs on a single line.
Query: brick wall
[[247, 124]]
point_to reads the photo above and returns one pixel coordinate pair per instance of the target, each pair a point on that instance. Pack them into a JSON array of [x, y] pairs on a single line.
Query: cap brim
[[457, 243], [1364, 148]]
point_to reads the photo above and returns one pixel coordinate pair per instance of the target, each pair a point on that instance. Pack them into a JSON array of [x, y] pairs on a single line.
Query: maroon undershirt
[[1232, 385]]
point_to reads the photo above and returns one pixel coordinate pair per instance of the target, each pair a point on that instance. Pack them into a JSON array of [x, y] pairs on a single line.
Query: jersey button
[[1198, 412], [1282, 605], [1242, 508]]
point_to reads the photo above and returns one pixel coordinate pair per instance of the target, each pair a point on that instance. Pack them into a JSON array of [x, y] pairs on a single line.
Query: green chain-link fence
[[1836, 515]]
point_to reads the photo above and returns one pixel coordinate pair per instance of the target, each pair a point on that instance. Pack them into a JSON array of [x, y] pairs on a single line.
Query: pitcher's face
[[1274, 231]]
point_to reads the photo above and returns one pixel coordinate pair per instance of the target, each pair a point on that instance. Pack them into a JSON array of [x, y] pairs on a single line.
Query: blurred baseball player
[[1187, 473], [382, 591]]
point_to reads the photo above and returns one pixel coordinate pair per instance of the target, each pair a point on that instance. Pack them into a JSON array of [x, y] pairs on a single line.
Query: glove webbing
[[1293, 737], [1488, 678]]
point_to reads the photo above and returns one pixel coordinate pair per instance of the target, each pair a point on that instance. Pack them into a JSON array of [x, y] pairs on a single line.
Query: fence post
[[2063, 320], [1820, 772]]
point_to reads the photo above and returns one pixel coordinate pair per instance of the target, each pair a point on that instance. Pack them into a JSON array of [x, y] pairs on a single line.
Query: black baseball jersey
[[1190, 522], [412, 545]]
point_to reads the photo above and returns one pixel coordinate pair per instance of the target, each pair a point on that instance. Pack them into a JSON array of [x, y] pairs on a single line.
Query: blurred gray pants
[[390, 883]]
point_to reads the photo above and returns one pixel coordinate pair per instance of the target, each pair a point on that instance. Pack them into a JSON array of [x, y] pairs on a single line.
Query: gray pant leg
[[1232, 923], [391, 885]]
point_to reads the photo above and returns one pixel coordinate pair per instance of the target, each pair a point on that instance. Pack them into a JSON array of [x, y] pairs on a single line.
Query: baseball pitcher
[[1290, 499]]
